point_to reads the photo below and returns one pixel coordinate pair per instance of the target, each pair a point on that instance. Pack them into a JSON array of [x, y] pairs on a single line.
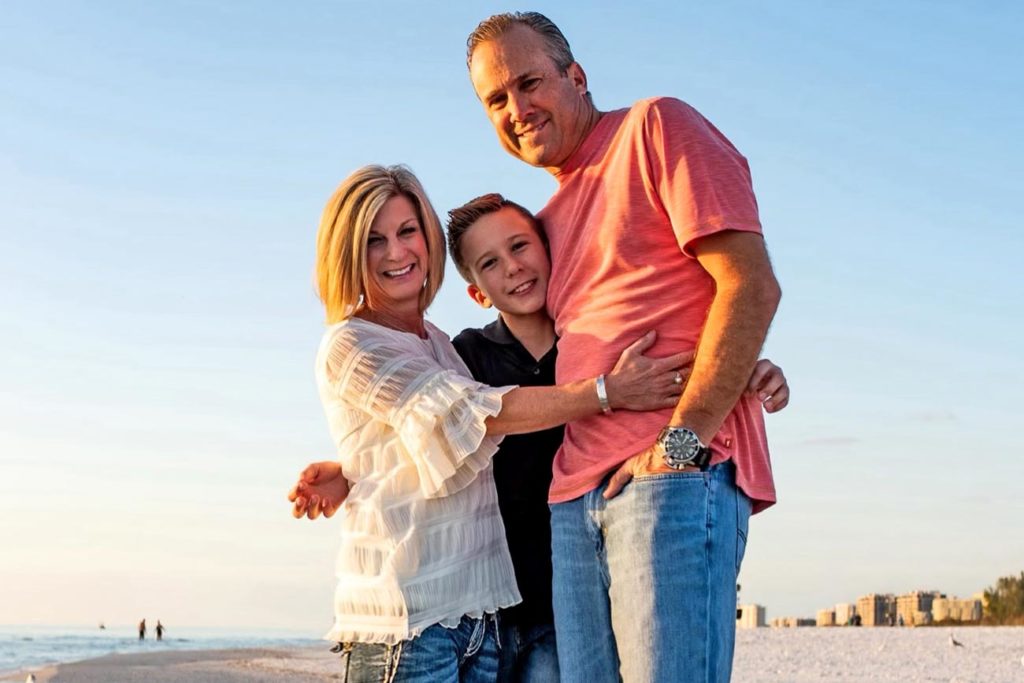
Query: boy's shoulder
[[488, 336]]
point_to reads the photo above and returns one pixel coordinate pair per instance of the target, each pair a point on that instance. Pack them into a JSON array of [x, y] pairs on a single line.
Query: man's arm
[[746, 298]]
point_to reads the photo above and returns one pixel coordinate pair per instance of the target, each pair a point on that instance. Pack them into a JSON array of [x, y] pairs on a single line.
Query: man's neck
[[590, 120], [535, 331]]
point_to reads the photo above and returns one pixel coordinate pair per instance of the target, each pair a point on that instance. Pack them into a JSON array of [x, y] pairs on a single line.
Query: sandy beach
[[804, 655], [295, 665]]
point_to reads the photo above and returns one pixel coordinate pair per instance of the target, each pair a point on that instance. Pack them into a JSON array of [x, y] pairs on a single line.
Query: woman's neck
[[410, 321], [535, 331]]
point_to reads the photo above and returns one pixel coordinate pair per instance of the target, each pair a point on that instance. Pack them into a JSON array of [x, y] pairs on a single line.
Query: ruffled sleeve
[[439, 415]]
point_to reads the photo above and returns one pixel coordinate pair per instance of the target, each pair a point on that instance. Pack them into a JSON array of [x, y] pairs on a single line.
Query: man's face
[[540, 115], [508, 262]]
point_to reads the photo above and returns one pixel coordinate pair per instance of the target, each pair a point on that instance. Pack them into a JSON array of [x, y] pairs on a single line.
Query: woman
[[423, 564]]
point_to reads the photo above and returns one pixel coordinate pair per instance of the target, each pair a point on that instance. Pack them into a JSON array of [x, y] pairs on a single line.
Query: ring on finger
[[678, 379]]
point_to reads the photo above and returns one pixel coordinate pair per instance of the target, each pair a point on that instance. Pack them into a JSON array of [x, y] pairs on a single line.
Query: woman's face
[[396, 255]]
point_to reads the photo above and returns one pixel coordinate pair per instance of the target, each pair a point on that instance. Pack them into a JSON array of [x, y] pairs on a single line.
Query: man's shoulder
[[663, 108]]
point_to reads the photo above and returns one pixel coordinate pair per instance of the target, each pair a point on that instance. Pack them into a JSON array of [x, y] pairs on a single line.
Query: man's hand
[[766, 382], [321, 489], [646, 462], [769, 385]]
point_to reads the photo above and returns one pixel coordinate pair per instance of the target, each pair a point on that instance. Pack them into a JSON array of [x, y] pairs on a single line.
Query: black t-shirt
[[522, 465]]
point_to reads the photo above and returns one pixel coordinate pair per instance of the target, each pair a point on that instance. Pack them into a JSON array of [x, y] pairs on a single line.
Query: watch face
[[681, 446]]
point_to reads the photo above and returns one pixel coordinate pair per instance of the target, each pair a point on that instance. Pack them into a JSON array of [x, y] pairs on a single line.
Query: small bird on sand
[[954, 642]]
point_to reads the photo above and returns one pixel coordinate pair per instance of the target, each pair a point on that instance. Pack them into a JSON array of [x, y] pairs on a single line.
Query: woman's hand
[[321, 489], [769, 385], [641, 383]]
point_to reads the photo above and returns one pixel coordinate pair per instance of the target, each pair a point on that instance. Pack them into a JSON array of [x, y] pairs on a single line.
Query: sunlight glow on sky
[[162, 171]]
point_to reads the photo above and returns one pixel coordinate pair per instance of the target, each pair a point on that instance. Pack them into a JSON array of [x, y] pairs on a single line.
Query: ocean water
[[29, 647]]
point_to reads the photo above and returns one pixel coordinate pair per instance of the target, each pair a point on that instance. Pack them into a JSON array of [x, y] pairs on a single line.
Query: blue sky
[[162, 172]]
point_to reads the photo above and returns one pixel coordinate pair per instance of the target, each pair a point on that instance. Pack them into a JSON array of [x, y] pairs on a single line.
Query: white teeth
[[522, 288], [399, 273]]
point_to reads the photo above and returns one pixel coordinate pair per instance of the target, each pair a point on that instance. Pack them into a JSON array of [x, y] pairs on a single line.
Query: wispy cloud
[[934, 416], [830, 441]]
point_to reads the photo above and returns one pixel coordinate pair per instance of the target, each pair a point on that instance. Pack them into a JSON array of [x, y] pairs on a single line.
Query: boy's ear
[[478, 296]]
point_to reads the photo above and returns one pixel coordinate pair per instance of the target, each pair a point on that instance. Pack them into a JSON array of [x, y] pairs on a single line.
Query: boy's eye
[[488, 263], [518, 246]]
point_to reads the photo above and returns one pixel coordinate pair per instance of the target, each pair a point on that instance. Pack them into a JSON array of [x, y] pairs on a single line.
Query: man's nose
[[519, 107]]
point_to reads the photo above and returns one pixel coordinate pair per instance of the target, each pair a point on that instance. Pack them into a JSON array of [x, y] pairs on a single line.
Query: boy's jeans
[[645, 584]]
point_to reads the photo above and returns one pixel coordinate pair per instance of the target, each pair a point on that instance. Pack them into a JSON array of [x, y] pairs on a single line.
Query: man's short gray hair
[[496, 26]]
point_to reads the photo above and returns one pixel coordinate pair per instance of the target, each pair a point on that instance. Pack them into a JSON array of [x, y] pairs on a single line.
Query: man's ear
[[478, 296], [578, 76]]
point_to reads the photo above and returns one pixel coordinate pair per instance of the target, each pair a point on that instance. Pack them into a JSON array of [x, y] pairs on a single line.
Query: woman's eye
[[409, 230]]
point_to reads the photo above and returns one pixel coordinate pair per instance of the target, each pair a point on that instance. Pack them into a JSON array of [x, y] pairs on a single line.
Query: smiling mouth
[[400, 272], [533, 130], [523, 288]]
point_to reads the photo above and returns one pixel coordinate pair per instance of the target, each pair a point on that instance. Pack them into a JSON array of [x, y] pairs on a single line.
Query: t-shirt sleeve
[[702, 181], [439, 415]]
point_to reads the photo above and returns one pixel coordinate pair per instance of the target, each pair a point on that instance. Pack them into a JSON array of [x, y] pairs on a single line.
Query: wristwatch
[[682, 448]]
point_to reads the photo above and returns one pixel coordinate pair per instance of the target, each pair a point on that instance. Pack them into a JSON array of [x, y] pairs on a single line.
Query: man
[[654, 226]]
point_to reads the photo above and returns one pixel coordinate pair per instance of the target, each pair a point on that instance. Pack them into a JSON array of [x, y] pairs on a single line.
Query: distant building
[[750, 616], [826, 617], [915, 609], [844, 613], [791, 622], [876, 609], [955, 609]]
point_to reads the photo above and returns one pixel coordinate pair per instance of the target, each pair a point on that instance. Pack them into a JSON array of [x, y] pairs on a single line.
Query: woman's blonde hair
[[341, 273]]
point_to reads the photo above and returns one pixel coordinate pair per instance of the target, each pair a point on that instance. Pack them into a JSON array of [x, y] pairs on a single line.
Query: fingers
[[311, 474], [299, 508], [313, 511], [622, 476], [762, 369], [681, 360], [778, 400], [640, 346], [328, 508]]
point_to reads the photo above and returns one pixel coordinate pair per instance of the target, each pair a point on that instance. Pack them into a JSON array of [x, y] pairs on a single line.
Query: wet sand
[[294, 665]]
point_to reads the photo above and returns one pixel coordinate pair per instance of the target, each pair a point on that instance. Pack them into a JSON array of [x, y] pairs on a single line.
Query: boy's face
[[508, 263]]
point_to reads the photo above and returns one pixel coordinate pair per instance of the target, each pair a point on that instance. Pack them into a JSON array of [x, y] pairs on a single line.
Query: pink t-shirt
[[645, 183]]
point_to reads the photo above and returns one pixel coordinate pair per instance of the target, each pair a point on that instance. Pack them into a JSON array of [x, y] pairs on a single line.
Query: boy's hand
[[769, 385], [321, 489]]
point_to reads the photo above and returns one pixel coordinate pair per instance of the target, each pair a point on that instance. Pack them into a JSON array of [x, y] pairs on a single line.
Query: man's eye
[[531, 83], [498, 102]]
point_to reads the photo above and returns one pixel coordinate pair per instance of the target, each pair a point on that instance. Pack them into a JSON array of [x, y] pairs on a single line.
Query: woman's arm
[[636, 383]]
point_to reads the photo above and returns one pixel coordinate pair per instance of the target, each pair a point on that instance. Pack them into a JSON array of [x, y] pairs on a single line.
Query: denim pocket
[[369, 662], [669, 476]]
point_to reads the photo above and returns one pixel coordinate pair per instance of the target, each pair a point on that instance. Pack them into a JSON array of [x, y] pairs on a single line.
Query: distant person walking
[[159, 630], [142, 630]]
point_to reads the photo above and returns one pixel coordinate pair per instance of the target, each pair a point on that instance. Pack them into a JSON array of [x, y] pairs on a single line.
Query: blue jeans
[[467, 653], [645, 583], [528, 654]]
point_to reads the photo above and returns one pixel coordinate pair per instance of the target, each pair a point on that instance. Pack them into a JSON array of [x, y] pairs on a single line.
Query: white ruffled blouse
[[422, 541]]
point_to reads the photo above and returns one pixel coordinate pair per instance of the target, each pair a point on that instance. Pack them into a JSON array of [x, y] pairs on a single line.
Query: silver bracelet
[[602, 395]]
